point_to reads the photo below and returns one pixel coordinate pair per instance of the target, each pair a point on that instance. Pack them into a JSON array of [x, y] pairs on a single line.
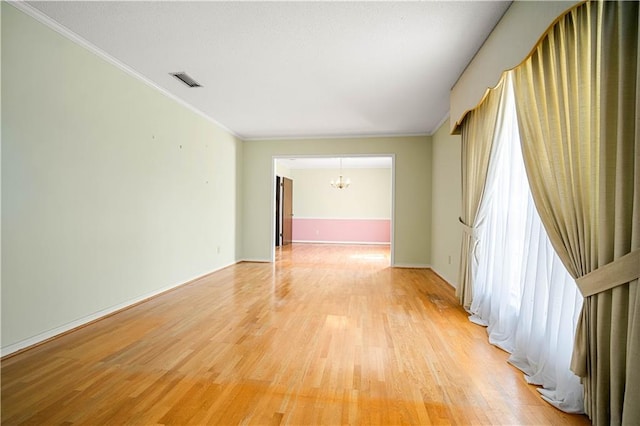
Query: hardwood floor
[[327, 335]]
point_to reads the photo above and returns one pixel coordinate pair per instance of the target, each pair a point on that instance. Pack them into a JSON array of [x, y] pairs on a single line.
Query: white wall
[[111, 191], [412, 189], [368, 196], [508, 44], [447, 198]]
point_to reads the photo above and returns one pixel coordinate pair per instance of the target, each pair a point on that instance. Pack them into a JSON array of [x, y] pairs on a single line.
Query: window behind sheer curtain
[[522, 292]]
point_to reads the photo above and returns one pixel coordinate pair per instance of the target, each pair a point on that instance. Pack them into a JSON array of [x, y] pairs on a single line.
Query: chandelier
[[341, 182]]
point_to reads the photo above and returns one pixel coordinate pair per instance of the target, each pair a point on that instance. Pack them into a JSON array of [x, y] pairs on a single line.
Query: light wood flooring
[[327, 335]]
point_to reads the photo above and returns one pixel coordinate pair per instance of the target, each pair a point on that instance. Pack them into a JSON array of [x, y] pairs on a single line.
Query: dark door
[[287, 211], [278, 211]]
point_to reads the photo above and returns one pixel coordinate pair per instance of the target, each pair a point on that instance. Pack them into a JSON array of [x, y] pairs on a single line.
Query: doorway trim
[[274, 159]]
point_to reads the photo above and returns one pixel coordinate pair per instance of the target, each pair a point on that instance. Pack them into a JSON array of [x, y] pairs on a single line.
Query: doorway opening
[[318, 210]]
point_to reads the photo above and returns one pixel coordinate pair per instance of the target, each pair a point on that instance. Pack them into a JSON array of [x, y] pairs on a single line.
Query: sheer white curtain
[[522, 292]]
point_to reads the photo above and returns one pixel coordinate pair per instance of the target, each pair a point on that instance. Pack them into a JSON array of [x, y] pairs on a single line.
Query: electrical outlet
[[449, 259], [219, 253]]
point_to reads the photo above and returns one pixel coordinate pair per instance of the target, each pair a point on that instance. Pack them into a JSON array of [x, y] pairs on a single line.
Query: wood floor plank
[[330, 334]]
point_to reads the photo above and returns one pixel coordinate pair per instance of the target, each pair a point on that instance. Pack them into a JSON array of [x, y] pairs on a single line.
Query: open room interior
[[346, 200], [480, 267]]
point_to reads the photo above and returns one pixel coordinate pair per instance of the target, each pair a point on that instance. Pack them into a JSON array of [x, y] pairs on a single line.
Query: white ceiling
[[334, 162], [295, 69]]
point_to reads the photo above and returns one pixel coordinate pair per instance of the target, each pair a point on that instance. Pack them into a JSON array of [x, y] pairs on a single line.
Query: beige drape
[[578, 111], [477, 138]]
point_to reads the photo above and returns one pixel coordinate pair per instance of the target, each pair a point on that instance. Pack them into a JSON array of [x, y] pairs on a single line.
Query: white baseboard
[[412, 265], [444, 277], [255, 260], [341, 242], [49, 334]]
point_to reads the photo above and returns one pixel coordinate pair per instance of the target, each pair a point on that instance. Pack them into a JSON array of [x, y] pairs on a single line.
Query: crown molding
[[347, 136], [440, 123], [67, 33]]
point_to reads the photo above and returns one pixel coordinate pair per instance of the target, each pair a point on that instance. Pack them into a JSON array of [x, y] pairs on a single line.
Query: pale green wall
[[282, 171], [368, 196], [0, 172], [110, 190], [447, 198], [412, 189]]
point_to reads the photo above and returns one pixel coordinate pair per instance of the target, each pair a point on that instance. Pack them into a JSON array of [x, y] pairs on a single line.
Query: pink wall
[[342, 230]]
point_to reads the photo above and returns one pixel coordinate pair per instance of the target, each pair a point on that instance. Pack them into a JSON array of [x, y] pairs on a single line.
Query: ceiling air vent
[[183, 77]]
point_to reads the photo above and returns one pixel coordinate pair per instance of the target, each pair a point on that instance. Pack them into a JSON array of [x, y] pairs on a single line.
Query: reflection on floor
[[335, 255]]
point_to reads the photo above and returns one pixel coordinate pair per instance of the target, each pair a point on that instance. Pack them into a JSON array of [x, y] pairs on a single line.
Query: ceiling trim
[[441, 122], [347, 136], [65, 32]]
